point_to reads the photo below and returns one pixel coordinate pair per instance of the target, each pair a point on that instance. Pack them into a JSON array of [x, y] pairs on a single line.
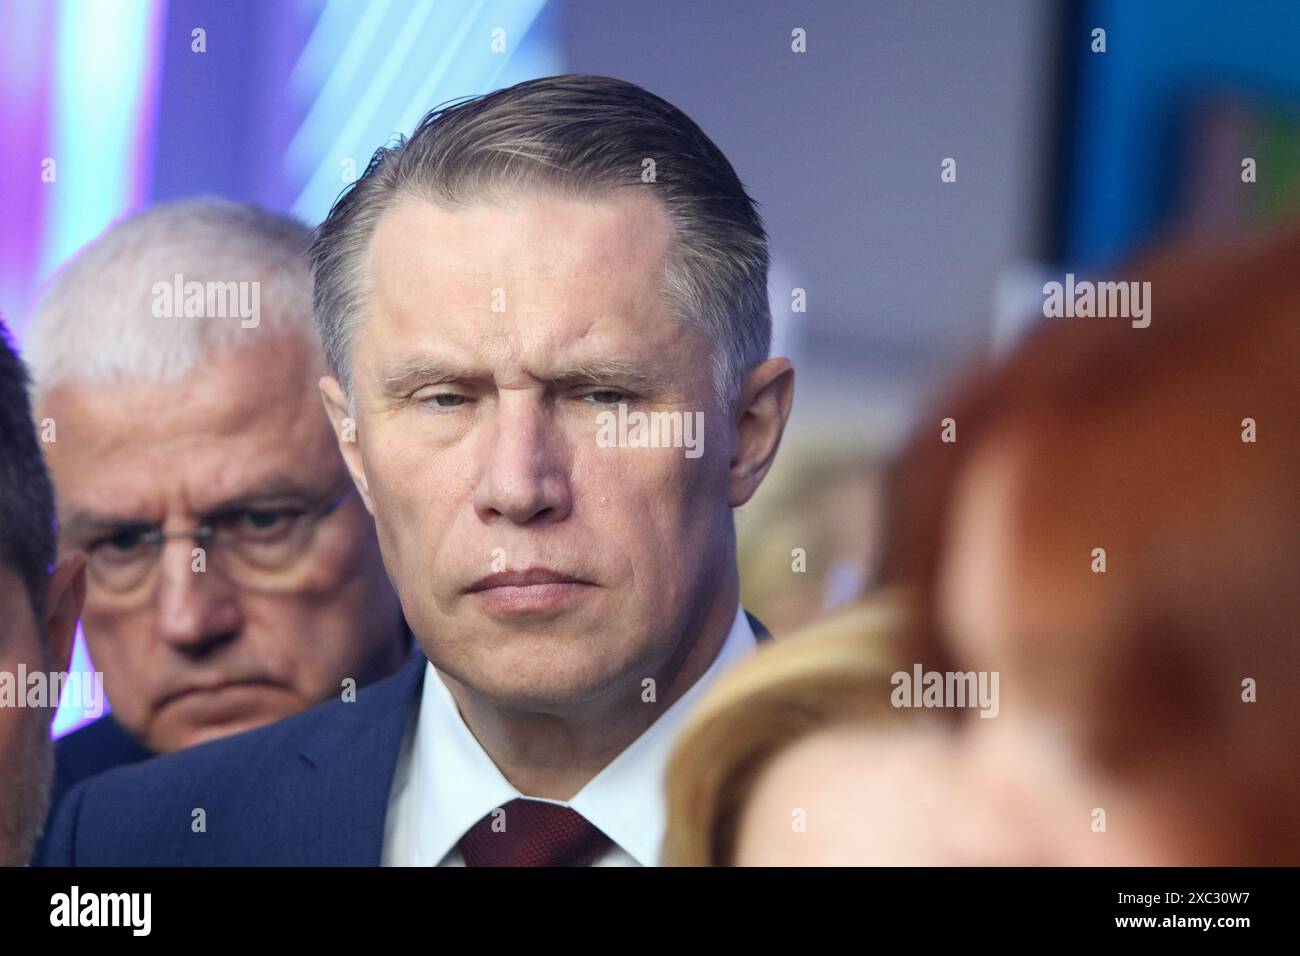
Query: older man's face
[[204, 646], [495, 337]]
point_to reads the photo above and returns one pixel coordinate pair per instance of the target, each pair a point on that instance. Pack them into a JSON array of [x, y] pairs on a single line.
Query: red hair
[[1135, 441]]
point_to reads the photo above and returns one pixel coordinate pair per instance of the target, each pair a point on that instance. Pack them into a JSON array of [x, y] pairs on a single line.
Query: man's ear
[[761, 412], [64, 598], [345, 431]]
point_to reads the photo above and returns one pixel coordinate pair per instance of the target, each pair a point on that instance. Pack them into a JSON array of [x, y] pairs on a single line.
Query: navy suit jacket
[[91, 750], [310, 790], [86, 752]]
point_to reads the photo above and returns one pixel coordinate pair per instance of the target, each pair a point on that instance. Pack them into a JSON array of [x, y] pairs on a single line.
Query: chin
[[539, 685], [268, 711]]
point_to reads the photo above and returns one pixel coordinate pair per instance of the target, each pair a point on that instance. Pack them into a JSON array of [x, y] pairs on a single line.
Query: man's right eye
[[123, 542]]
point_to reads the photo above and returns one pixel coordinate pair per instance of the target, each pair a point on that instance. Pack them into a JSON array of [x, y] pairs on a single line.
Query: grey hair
[[583, 136], [95, 319]]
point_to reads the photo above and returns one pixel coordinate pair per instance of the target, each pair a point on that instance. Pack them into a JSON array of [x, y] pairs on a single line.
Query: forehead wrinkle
[[431, 370], [576, 351], [273, 484], [220, 439], [425, 297]]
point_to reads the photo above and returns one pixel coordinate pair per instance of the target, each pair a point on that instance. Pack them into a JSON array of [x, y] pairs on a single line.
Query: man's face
[[495, 336], [25, 751], [199, 651]]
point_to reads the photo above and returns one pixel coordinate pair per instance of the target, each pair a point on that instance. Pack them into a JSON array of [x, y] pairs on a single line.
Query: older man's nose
[[197, 609], [524, 468]]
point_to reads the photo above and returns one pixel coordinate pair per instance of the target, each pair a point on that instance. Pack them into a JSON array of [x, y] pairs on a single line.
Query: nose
[[197, 610], [524, 464]]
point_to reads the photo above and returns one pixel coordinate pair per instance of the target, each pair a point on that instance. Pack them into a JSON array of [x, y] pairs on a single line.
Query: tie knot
[[533, 833]]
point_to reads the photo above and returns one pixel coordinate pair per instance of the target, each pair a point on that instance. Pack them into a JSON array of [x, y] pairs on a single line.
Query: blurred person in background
[[233, 576], [807, 540], [1153, 702], [797, 758], [1152, 709], [39, 603]]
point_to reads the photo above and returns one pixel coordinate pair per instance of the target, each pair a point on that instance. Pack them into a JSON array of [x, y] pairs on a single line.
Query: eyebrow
[[402, 377], [87, 523], [83, 523]]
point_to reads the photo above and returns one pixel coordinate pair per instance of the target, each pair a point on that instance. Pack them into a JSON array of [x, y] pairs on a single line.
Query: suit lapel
[[344, 773], [339, 786]]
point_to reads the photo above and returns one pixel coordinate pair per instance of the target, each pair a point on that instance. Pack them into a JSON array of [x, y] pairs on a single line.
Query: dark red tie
[[533, 833]]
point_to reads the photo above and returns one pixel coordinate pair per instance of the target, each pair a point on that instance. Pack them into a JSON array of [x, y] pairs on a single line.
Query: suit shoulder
[[90, 741], [115, 816], [92, 749], [253, 749]]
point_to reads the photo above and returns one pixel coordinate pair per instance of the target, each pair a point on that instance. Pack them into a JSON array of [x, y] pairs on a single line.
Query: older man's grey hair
[[96, 320], [582, 136]]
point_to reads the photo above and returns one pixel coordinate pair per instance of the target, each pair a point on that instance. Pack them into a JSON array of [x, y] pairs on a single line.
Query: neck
[[553, 753]]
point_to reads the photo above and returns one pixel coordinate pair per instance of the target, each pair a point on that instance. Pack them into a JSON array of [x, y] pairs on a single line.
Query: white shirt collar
[[447, 782]]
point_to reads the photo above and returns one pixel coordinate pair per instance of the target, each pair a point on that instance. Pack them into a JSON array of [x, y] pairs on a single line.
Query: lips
[[535, 592], [209, 689], [522, 579]]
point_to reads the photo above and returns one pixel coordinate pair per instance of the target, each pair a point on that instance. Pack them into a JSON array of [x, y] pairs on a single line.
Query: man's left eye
[[263, 519], [606, 396], [445, 400], [263, 523]]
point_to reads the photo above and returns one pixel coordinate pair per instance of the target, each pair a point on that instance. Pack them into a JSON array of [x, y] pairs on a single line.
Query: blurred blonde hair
[[834, 672], [837, 539]]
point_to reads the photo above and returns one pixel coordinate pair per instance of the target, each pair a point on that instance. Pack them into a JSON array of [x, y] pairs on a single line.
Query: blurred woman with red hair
[[1115, 531]]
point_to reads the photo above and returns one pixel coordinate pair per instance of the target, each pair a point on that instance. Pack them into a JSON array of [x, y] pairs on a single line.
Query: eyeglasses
[[254, 547]]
